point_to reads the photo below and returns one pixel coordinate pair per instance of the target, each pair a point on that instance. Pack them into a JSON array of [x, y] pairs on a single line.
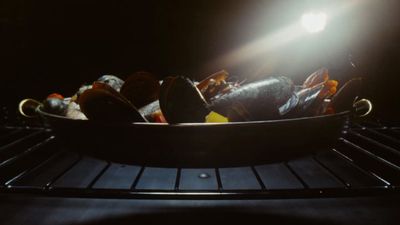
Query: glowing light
[[314, 22], [265, 54]]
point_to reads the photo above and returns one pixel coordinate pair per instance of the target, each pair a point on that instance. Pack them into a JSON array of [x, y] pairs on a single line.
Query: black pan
[[199, 145]]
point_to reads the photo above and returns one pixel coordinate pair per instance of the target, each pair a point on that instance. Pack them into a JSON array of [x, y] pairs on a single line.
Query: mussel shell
[[111, 90], [304, 102], [102, 105], [141, 89], [181, 101], [255, 101], [81, 89], [55, 106]]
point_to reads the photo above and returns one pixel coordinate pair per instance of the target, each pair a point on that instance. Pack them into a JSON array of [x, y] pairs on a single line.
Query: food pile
[[143, 98]]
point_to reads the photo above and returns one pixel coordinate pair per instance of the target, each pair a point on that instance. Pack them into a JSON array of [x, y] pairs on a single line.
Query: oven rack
[[364, 162]]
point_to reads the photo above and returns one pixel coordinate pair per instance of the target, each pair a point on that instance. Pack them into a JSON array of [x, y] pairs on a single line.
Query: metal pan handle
[[27, 107], [362, 107]]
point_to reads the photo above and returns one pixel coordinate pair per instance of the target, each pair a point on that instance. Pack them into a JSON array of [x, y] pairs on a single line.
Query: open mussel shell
[[256, 101], [141, 89], [181, 102], [100, 104]]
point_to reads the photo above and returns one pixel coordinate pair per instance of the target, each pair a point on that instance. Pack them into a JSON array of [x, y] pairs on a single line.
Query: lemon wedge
[[214, 117]]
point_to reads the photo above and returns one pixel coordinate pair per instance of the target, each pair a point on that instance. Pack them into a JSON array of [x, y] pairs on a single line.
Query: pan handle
[[362, 107], [27, 107]]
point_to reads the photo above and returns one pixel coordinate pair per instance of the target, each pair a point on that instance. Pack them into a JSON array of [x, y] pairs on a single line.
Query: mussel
[[112, 100], [141, 88], [275, 97], [55, 106], [255, 101], [181, 101], [103, 103], [141, 98]]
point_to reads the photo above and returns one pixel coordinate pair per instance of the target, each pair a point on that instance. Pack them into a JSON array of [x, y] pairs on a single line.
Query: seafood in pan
[[276, 97], [177, 99]]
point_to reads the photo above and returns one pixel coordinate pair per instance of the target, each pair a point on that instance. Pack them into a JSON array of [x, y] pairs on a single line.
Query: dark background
[[55, 46]]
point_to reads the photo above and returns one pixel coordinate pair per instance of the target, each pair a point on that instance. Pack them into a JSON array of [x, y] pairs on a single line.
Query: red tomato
[[55, 95]]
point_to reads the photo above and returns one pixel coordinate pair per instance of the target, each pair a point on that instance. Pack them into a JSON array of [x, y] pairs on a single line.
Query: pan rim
[[229, 124]]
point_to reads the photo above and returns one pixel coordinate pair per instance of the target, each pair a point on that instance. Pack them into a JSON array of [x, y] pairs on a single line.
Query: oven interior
[[48, 47]]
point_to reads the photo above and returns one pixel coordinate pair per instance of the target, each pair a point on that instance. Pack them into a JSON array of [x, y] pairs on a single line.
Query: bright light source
[[314, 22]]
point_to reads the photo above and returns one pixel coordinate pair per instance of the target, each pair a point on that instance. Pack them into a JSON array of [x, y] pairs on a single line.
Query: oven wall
[[49, 46]]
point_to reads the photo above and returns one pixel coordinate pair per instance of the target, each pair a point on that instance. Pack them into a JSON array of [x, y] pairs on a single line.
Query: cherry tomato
[[56, 95]]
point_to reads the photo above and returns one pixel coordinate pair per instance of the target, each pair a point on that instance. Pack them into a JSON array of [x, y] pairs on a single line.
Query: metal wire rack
[[365, 161]]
